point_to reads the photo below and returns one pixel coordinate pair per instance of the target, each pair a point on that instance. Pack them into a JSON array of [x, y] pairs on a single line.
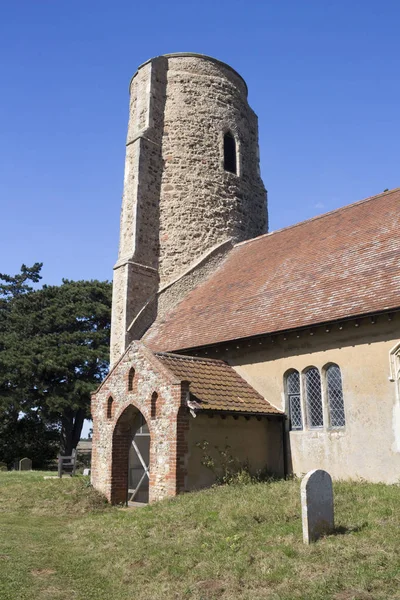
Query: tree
[[11, 401], [14, 285], [28, 436], [55, 351]]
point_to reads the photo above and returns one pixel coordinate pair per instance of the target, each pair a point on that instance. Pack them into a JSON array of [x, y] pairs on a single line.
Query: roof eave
[[251, 338]]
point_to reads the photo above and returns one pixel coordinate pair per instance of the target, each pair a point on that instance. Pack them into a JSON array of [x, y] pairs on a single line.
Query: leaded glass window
[[335, 396], [294, 403], [313, 398]]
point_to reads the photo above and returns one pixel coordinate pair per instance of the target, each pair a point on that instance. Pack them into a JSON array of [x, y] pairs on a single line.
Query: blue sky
[[323, 77]]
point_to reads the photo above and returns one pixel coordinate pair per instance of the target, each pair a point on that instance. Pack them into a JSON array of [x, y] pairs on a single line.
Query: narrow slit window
[[110, 407], [230, 153], [335, 396], [131, 377], [154, 398], [314, 398], [293, 400]]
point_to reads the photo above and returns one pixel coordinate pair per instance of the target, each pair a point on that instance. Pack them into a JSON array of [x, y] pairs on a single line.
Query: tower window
[[230, 153]]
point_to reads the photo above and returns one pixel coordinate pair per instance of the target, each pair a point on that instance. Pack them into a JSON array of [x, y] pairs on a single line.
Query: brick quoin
[[112, 436]]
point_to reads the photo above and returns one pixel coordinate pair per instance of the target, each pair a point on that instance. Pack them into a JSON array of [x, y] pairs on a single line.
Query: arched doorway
[[130, 458], [139, 461]]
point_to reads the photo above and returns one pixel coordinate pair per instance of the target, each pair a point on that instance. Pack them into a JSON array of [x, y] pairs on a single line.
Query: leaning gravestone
[[25, 464], [316, 505]]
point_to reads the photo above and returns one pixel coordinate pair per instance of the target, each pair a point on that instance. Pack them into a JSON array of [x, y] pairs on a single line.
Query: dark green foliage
[[54, 350], [28, 437], [14, 285]]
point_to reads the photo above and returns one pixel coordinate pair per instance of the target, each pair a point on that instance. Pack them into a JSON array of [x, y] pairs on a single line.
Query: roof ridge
[[341, 208], [194, 358]]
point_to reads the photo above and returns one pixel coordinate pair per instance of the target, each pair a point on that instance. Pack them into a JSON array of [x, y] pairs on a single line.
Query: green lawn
[[59, 540]]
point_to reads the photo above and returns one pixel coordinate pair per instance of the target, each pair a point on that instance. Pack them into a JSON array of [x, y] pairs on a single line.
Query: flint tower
[[192, 177]]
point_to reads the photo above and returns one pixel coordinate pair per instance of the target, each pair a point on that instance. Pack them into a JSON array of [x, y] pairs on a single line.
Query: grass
[[59, 540]]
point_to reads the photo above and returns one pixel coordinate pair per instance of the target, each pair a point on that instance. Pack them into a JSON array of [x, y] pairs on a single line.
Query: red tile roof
[[214, 385], [341, 264]]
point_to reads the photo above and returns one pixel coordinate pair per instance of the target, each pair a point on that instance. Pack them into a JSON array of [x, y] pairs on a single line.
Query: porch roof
[[216, 386]]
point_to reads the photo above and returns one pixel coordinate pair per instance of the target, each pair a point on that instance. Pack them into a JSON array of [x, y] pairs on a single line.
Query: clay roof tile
[[338, 265]]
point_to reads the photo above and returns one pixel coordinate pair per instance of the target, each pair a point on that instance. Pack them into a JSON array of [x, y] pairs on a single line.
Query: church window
[[313, 398], [131, 377], [230, 153], [293, 400], [335, 396], [110, 408]]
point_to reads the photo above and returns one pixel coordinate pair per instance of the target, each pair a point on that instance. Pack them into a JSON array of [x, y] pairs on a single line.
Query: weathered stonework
[[178, 200], [167, 296], [113, 433]]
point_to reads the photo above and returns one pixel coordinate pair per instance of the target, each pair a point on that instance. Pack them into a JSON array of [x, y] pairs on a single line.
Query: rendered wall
[[369, 445], [257, 444]]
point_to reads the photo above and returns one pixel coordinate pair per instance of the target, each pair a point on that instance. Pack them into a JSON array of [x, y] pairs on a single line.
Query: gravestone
[[316, 505], [25, 464]]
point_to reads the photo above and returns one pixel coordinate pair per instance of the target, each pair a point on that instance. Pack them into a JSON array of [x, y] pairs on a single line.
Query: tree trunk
[[71, 429]]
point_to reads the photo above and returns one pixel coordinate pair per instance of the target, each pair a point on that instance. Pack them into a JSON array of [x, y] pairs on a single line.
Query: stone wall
[[168, 296], [178, 200], [201, 204]]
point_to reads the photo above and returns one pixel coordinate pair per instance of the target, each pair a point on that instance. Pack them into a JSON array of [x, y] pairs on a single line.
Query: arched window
[[131, 377], [153, 411], [293, 400], [335, 396], [230, 153], [110, 408], [313, 398]]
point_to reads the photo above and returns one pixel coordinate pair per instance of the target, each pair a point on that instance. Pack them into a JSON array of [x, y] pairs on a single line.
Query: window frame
[[289, 396], [327, 400], [306, 399], [324, 396]]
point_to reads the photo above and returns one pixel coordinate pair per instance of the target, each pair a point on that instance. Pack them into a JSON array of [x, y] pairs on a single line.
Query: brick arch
[[121, 442], [138, 408]]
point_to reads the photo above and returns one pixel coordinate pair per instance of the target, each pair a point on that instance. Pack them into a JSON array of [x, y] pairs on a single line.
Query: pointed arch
[[130, 422]]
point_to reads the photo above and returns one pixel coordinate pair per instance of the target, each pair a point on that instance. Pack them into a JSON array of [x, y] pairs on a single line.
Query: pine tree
[[54, 350]]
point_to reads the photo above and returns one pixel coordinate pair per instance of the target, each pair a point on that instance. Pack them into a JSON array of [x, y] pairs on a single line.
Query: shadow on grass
[[342, 530]]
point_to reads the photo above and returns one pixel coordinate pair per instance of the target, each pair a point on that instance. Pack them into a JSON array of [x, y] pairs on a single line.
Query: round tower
[[192, 176]]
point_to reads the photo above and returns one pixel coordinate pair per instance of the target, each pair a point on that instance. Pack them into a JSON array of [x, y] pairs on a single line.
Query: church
[[278, 352]]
